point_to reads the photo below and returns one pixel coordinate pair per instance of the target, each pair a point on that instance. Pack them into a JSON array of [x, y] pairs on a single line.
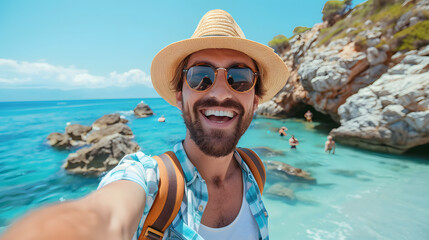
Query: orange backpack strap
[[168, 199], [255, 164]]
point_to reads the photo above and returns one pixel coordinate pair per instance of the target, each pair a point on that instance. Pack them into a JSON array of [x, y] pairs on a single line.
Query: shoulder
[[134, 162], [137, 167]]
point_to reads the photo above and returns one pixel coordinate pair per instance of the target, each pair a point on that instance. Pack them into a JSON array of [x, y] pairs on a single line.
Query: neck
[[211, 169]]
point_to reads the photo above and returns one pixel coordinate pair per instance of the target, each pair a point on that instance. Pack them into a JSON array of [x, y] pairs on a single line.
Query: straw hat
[[217, 29]]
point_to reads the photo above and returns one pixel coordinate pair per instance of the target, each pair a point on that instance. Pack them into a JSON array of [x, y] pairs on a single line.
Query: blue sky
[[82, 49]]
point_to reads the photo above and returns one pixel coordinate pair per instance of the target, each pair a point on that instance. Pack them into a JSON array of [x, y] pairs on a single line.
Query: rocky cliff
[[368, 72]]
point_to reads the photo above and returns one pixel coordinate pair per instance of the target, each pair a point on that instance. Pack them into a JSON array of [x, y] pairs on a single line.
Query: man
[[282, 131], [330, 145], [216, 78], [308, 116], [293, 142]]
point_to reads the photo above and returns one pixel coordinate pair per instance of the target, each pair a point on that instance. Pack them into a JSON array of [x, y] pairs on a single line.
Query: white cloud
[[14, 74], [133, 76]]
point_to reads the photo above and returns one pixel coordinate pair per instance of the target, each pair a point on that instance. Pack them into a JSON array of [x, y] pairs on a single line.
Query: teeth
[[219, 113]]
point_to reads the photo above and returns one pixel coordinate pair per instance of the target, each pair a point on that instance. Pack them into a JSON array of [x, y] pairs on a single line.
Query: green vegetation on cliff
[[387, 12], [337, 30], [380, 3], [299, 30], [327, 34], [413, 37], [390, 13], [279, 43], [335, 7], [373, 17]]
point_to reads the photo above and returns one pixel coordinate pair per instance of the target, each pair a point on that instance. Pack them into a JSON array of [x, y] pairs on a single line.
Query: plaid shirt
[[143, 169]]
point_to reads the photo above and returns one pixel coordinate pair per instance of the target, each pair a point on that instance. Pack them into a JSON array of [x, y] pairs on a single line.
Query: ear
[[179, 100], [255, 103]]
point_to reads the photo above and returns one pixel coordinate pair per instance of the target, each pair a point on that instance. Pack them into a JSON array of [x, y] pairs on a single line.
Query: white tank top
[[243, 227]]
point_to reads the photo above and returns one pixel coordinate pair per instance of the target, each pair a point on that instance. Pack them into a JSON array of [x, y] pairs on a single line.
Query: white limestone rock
[[375, 56], [424, 51], [392, 114], [269, 108]]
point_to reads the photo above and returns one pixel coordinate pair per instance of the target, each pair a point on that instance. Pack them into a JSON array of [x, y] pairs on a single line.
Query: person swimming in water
[[282, 131], [330, 145], [293, 142], [161, 119]]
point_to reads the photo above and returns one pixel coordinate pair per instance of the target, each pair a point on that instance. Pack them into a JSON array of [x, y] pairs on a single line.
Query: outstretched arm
[[112, 212]]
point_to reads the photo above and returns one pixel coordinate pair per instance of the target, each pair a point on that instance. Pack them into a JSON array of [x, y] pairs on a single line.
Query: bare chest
[[223, 205]]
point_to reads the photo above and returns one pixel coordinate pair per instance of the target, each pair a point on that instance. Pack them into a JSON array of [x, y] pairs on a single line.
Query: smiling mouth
[[218, 116]]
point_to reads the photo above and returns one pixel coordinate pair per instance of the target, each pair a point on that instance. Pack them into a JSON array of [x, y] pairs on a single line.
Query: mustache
[[211, 102]]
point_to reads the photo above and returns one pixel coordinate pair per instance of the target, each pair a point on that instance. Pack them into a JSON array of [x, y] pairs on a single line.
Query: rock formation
[[282, 177], [344, 70], [77, 135], [108, 140], [59, 140], [393, 113], [142, 110], [286, 172], [101, 156], [107, 120], [77, 131], [267, 152], [120, 128], [74, 136], [281, 191]]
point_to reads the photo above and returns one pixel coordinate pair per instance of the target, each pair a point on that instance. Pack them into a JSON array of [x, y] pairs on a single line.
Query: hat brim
[[164, 64]]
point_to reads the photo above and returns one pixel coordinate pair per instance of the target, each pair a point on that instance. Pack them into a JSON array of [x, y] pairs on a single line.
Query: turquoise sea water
[[358, 194]]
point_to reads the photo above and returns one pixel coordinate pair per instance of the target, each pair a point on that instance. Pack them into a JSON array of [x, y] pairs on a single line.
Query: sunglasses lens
[[200, 77], [240, 79]]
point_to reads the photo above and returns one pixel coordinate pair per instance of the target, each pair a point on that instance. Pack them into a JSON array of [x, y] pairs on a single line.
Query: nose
[[220, 90]]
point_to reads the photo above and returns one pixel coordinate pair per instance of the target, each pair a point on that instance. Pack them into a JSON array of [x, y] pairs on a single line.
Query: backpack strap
[[168, 199], [255, 164]]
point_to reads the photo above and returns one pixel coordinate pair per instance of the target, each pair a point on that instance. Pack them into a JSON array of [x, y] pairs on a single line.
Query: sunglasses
[[201, 77]]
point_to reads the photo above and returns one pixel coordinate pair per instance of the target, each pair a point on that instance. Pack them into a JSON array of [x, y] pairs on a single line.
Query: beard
[[216, 142]]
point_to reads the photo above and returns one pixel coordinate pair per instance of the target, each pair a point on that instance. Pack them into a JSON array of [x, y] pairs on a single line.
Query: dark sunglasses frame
[[215, 70]]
